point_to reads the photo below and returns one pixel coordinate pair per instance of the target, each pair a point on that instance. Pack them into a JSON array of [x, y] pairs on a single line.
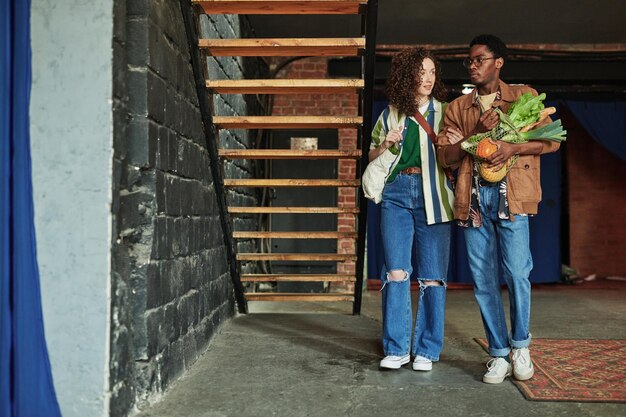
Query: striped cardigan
[[438, 193]]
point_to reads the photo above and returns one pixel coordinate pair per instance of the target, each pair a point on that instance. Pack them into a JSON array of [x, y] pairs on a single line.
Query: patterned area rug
[[580, 370]]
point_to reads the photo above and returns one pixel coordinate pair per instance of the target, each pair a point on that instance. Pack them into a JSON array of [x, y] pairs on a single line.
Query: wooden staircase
[[362, 46]]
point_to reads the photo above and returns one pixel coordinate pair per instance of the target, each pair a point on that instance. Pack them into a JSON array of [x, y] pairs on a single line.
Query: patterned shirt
[[438, 192], [475, 218]]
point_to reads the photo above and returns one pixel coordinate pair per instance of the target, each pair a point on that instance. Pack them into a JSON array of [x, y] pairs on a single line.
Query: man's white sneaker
[[421, 363], [497, 370], [394, 362], [523, 368]]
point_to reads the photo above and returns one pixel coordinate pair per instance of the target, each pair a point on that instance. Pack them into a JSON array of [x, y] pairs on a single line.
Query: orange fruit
[[486, 148]]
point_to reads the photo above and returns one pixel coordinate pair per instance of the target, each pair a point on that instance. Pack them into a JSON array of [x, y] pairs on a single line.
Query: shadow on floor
[[325, 362]]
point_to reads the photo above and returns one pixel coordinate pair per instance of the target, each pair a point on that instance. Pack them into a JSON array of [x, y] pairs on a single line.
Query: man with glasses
[[495, 214]]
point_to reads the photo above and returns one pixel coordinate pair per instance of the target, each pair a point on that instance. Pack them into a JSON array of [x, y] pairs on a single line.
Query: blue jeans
[[515, 262], [404, 227]]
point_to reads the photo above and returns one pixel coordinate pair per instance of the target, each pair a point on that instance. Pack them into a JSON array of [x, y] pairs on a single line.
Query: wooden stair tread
[[298, 278], [281, 6], [286, 122], [294, 235], [277, 296], [349, 46], [288, 154], [285, 86], [284, 46], [290, 183], [296, 257], [277, 210]]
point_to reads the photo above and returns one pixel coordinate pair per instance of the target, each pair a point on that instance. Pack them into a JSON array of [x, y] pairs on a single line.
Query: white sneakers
[[394, 362], [421, 363], [499, 368], [523, 368]]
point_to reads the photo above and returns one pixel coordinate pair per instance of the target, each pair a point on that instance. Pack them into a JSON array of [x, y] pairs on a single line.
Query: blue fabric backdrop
[[604, 121], [26, 387], [545, 230]]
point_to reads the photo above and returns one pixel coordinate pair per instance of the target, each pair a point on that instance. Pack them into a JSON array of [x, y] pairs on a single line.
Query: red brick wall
[[326, 105], [597, 202]]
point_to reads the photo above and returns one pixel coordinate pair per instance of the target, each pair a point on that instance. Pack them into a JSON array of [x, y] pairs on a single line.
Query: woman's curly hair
[[404, 79]]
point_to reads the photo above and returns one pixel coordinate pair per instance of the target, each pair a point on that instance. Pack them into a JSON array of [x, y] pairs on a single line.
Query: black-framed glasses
[[467, 62]]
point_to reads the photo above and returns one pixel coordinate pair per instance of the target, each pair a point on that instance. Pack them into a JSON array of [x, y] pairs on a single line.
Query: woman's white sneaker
[[421, 363], [497, 370], [523, 368], [394, 362]]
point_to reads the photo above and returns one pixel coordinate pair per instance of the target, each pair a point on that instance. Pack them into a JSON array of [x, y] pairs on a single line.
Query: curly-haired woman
[[416, 210]]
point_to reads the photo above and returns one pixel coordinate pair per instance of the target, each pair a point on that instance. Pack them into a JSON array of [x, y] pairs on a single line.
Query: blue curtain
[[604, 121], [26, 387]]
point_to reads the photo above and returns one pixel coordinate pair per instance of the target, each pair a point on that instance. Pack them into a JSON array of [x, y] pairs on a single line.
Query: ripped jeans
[[404, 229]]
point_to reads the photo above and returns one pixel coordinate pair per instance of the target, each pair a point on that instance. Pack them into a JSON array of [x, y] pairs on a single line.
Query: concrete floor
[[318, 360]]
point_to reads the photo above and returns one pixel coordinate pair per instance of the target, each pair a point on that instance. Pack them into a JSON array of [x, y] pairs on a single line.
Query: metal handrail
[[368, 28], [189, 17]]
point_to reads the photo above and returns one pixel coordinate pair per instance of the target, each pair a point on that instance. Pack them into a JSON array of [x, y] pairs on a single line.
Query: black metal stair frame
[[191, 28], [368, 31], [368, 28]]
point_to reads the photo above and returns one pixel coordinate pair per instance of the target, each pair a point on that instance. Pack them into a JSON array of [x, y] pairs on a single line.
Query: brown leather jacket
[[523, 181]]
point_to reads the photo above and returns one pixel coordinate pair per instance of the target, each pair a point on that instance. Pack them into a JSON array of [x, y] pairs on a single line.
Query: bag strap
[[427, 127], [433, 137]]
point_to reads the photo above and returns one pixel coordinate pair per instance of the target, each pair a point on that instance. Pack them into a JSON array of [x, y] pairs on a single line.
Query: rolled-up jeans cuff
[[517, 344], [499, 352]]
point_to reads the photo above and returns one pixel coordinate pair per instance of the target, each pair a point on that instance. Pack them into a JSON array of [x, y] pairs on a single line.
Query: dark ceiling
[[457, 21], [575, 26]]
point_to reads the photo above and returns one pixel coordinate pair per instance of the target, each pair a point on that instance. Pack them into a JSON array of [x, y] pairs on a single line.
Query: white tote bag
[[376, 174], [378, 170]]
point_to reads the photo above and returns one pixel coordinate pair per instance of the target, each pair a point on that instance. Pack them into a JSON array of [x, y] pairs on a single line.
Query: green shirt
[[410, 150], [438, 193]]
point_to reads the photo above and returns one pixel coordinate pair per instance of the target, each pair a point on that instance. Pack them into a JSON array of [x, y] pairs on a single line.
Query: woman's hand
[[393, 137], [453, 134]]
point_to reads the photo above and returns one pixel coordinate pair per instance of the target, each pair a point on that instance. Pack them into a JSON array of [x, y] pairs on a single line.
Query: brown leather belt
[[411, 171]]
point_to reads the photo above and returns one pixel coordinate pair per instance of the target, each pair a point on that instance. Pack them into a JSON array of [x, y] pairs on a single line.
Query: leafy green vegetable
[[526, 109], [554, 132], [508, 131]]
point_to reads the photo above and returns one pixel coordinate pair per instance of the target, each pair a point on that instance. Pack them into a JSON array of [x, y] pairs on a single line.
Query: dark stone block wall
[[170, 282], [229, 26]]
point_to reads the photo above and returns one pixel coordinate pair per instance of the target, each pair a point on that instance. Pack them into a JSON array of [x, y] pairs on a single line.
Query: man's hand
[[453, 134], [488, 120], [504, 152]]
